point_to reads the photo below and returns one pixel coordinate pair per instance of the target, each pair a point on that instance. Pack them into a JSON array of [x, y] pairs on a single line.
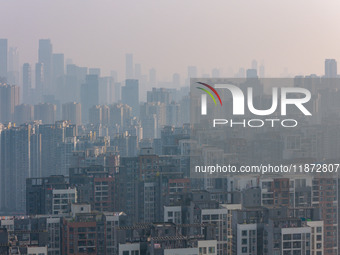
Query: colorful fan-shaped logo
[[209, 93]]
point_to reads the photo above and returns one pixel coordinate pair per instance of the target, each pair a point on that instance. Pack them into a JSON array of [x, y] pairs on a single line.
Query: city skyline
[[120, 135], [173, 35]]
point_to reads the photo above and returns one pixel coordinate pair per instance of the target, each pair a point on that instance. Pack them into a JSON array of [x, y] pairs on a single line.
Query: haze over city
[[169, 127], [288, 37]]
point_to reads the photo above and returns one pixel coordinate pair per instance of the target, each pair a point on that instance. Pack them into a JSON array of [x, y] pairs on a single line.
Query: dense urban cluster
[[86, 167]]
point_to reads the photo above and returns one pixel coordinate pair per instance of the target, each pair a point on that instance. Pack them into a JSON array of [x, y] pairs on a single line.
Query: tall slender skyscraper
[[39, 81], [13, 66], [3, 58], [45, 57], [89, 95], [58, 71], [129, 66], [26, 82], [9, 98], [130, 95], [58, 65], [331, 70], [152, 77]]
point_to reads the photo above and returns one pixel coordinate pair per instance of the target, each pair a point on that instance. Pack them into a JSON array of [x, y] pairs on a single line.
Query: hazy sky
[[170, 35]]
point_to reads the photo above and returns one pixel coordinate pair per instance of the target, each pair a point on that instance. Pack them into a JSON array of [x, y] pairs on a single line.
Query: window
[[244, 232], [206, 217], [244, 241], [214, 217], [296, 236], [126, 253], [287, 237], [244, 249], [212, 249]]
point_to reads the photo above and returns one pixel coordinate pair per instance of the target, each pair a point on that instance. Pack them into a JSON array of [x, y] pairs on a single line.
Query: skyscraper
[[45, 57], [192, 72], [3, 58], [152, 77], [72, 112], [26, 82], [95, 115], [251, 73], [94, 71], [45, 112], [117, 92], [89, 95], [130, 95], [138, 71], [129, 66], [9, 98], [39, 81], [15, 167], [23, 113], [331, 70], [58, 65], [13, 66]]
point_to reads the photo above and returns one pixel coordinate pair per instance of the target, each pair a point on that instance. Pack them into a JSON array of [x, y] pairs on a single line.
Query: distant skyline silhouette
[[171, 35]]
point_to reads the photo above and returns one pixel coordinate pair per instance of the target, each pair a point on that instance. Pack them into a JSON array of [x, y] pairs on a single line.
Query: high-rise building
[[39, 193], [106, 90], [72, 112], [58, 71], [53, 136], [138, 71], [284, 236], [129, 66], [13, 66], [39, 82], [254, 64], [130, 95], [9, 98], [251, 73], [117, 92], [23, 113], [15, 167], [45, 112], [192, 72], [26, 82], [152, 77], [176, 80], [89, 95], [161, 95], [45, 57], [120, 114], [215, 73], [219, 218], [3, 58], [331, 70], [114, 75], [261, 71], [94, 71], [95, 115]]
